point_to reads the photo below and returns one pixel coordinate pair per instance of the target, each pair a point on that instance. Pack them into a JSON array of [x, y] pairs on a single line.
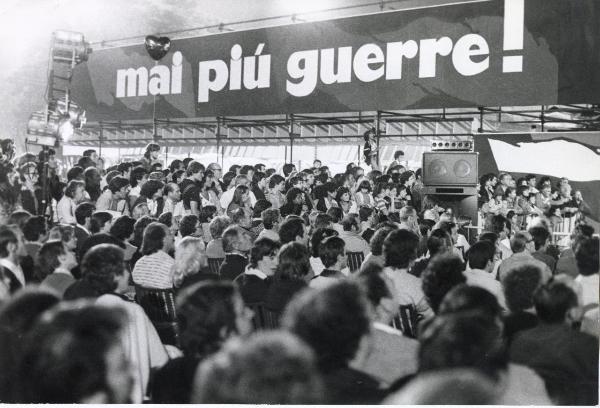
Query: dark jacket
[[232, 266]]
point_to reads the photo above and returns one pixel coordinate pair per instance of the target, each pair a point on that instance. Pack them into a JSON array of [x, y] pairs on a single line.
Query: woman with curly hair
[[344, 200], [209, 313], [241, 199]]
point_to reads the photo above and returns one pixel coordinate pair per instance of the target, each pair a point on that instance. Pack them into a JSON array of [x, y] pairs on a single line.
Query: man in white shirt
[[586, 256], [12, 249], [518, 245], [480, 267], [113, 198]]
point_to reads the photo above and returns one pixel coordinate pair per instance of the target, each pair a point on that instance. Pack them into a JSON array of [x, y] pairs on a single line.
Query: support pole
[[378, 136]]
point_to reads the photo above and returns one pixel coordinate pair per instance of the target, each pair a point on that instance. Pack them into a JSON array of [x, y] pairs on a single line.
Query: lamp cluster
[[61, 116]]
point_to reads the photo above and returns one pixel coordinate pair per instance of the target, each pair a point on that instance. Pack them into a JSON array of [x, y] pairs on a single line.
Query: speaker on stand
[[451, 178]]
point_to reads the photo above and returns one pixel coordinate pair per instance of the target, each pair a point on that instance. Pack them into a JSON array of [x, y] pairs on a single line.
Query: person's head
[[208, 314], [540, 236], [519, 285], [152, 189], [216, 170], [218, 225], [190, 258], [443, 272], [400, 248], [138, 175], [188, 225], [350, 222], [241, 217], [276, 182], [240, 195], [465, 297], [458, 386], [586, 256], [366, 215], [10, 244], [119, 186], [138, 229], [481, 256], [92, 154], [75, 173], [169, 221], [260, 206], [518, 243], [52, 255], [102, 267], [332, 253], [500, 226], [462, 339], [288, 168], [272, 367], [380, 292], [292, 230], [35, 229], [74, 355], [332, 320], [101, 222], [379, 237], [29, 173], [157, 237], [236, 240], [74, 190], [553, 302], [292, 262], [152, 151], [439, 242], [263, 256], [92, 178], [122, 228], [319, 235], [271, 219]]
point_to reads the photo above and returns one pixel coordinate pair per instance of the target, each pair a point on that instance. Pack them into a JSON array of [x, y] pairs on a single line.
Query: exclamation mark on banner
[[514, 24]]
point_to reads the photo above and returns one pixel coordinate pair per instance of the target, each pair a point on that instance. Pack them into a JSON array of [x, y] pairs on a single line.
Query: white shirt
[[228, 196], [485, 280], [65, 210], [589, 288], [15, 269], [409, 289]]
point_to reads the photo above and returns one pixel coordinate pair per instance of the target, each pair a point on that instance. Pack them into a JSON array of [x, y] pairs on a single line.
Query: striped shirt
[[154, 271]]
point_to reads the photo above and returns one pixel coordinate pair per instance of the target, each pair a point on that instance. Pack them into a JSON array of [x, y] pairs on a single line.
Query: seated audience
[[237, 242], [479, 270], [214, 249], [254, 282], [155, 268], [54, 263], [443, 272], [191, 264], [332, 253]]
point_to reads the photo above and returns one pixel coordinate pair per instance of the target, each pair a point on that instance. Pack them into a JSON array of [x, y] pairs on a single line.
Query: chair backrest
[[263, 319], [355, 260], [159, 304], [214, 264], [407, 320]]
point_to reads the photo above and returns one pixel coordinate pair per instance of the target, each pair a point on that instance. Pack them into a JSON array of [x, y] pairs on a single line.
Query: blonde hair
[[190, 257]]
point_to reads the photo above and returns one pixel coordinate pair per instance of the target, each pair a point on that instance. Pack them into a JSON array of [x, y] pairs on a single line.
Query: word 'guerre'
[[368, 63]]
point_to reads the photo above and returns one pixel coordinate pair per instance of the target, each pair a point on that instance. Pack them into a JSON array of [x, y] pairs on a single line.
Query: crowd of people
[[288, 287]]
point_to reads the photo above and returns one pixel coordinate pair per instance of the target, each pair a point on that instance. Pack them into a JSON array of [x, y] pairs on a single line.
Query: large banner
[[488, 53], [574, 155]]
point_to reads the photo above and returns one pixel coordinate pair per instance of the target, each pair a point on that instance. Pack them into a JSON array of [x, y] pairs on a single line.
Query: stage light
[[69, 44], [65, 129]]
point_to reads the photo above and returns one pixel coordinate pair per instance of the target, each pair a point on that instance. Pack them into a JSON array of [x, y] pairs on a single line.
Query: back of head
[[290, 229], [34, 227], [553, 301], [330, 249], [207, 317], [154, 236], [480, 254], [267, 368], [439, 241], [47, 258], [519, 285], [293, 262], [586, 255], [442, 274], [459, 386], [518, 242], [101, 265], [462, 339], [231, 238], [349, 222], [379, 237], [66, 357], [400, 248], [319, 235], [464, 297], [370, 277], [540, 236], [332, 321]]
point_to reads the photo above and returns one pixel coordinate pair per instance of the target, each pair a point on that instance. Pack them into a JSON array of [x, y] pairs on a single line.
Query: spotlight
[[70, 44], [71, 110]]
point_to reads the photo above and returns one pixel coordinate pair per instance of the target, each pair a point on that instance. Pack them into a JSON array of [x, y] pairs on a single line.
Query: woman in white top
[[65, 208]]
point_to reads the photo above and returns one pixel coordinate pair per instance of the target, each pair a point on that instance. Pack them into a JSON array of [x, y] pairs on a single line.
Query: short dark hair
[[349, 221], [137, 174], [443, 272], [586, 255], [322, 317], [187, 225], [463, 339], [101, 265], [267, 368], [274, 180], [117, 183], [488, 236], [379, 237], [7, 235], [261, 248], [207, 212], [288, 168], [398, 153], [207, 317], [47, 258], [64, 357], [138, 229], [498, 224], [323, 220], [329, 250], [319, 235], [154, 238], [364, 212], [99, 220], [72, 186], [122, 227], [97, 239], [519, 284], [218, 225], [400, 248], [269, 217], [74, 172], [540, 236], [123, 167], [166, 219], [465, 297], [34, 227], [260, 206], [438, 240], [294, 263], [371, 279], [480, 254], [553, 301], [150, 188], [336, 214], [290, 229], [83, 211]]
